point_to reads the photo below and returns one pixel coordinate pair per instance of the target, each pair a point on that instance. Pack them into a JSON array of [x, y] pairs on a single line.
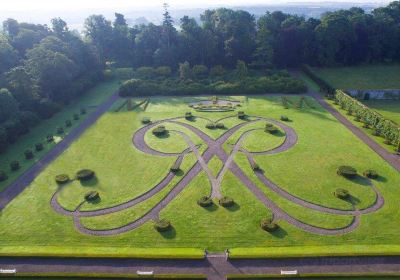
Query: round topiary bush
[[92, 196], [188, 115], [85, 174], [347, 171], [342, 193], [3, 176], [241, 115], [50, 138], [60, 130], [83, 111], [284, 118], [159, 130], [220, 125], [226, 201], [205, 201], [76, 117], [39, 147], [375, 132], [68, 123], [210, 125], [372, 174], [62, 179], [28, 154], [146, 120], [162, 225], [268, 225], [14, 165], [270, 128]]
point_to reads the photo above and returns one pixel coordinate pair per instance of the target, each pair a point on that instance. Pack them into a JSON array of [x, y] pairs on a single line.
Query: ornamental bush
[[268, 225], [50, 138], [342, 193], [347, 171], [226, 201], [60, 130], [62, 179], [68, 123], [220, 125], [372, 174], [176, 167], [270, 128], [83, 111], [159, 130], [205, 201], [188, 115], [3, 176], [39, 147], [28, 154], [241, 115], [210, 125], [92, 196], [284, 118], [76, 117], [85, 175], [14, 165], [146, 120], [162, 225]]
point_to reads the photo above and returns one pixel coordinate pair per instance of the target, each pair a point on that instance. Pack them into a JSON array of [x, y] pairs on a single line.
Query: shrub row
[[323, 85]]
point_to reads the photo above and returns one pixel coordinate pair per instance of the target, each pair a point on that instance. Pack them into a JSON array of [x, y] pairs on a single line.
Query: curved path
[[215, 148]]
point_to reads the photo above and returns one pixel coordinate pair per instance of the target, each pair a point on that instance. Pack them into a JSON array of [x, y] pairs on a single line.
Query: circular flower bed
[[62, 179], [347, 171], [226, 201], [205, 201], [342, 193], [85, 174], [162, 225], [372, 174], [92, 196], [159, 130], [268, 225]]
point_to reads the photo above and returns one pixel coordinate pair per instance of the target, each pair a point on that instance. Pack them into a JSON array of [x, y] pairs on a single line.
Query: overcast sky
[[25, 5]]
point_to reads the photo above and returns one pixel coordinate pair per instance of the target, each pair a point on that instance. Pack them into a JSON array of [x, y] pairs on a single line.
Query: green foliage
[[268, 225], [92, 196], [39, 147], [68, 123], [28, 154], [226, 201], [124, 73], [185, 72], [347, 171], [50, 138], [14, 165], [146, 120], [60, 130], [205, 201], [241, 69], [163, 71], [342, 193], [217, 70], [220, 125], [3, 176], [211, 125], [241, 115], [62, 179], [83, 111], [144, 72], [200, 71], [85, 175], [159, 131], [162, 225], [285, 118], [323, 85], [372, 174], [76, 117], [270, 128], [188, 115], [108, 75]]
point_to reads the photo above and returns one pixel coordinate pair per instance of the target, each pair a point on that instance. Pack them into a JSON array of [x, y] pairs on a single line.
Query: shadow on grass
[[179, 173], [361, 180], [212, 208], [235, 207], [90, 183], [169, 234], [353, 200], [381, 179], [163, 136], [279, 233]]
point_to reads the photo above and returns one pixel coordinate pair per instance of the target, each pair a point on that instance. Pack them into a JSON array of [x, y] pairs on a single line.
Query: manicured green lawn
[[38, 134], [362, 77], [307, 170], [387, 108]]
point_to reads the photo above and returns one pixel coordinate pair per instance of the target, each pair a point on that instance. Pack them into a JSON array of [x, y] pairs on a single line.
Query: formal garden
[[191, 173]]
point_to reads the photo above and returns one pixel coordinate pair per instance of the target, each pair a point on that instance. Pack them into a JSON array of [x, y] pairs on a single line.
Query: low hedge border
[[84, 276]]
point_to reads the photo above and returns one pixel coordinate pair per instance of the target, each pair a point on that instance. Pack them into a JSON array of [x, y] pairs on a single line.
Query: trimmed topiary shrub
[[176, 167], [270, 128], [14, 165], [146, 120], [162, 225], [50, 138], [39, 147], [211, 125], [372, 174], [205, 201], [284, 118], [92, 196], [62, 179], [226, 201], [3, 176], [85, 175], [188, 115], [347, 171], [68, 123], [241, 115], [342, 193], [60, 130], [28, 154], [254, 166], [268, 225], [76, 117], [220, 125], [159, 130], [83, 111]]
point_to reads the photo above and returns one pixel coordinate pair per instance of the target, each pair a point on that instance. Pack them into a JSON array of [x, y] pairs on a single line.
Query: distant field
[[388, 108], [362, 77]]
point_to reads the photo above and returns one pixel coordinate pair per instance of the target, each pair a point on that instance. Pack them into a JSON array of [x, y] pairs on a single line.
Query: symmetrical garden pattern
[[215, 148]]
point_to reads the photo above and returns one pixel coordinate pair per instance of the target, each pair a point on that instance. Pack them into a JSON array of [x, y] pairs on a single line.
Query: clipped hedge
[[50, 138], [347, 171], [220, 125], [60, 130], [85, 175], [76, 117], [92, 196], [14, 165], [162, 225], [62, 179], [241, 115], [159, 130], [211, 125], [268, 225], [372, 174], [323, 85], [270, 128], [284, 118], [342, 193], [3, 176], [146, 120], [28, 154], [39, 147], [188, 115], [176, 167], [205, 201], [226, 201]]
